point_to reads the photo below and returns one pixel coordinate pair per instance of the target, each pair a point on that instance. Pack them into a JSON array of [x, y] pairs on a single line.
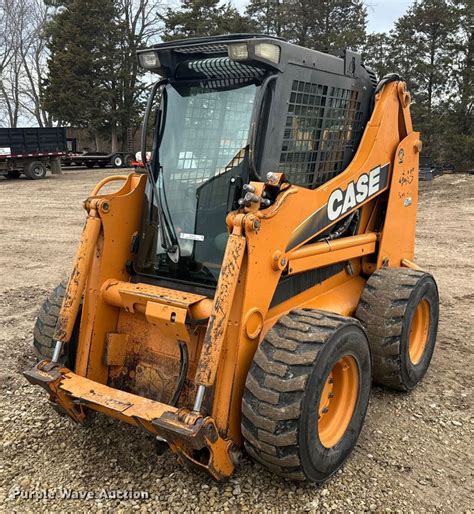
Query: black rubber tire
[[35, 170], [386, 310], [13, 174], [43, 332], [129, 158], [117, 161], [283, 388]]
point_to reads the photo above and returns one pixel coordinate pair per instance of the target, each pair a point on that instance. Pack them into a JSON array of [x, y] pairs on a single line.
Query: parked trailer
[[92, 159], [31, 151]]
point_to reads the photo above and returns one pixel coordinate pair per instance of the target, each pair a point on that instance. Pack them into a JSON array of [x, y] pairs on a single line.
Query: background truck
[[31, 151], [91, 159]]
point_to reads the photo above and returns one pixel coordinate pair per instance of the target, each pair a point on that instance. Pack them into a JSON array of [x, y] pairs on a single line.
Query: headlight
[[238, 52], [149, 60], [268, 51]]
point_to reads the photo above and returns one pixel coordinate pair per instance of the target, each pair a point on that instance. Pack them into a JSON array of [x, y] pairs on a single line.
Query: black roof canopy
[[170, 55]]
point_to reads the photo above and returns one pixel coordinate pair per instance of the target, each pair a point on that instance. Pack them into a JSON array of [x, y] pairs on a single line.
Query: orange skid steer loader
[[246, 287]]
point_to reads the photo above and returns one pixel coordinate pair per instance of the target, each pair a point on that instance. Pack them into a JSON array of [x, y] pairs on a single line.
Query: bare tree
[[33, 53], [10, 61], [24, 52], [22, 61], [141, 26]]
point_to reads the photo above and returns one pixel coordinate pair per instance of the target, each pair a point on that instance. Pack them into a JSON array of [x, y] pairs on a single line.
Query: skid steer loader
[[245, 288]]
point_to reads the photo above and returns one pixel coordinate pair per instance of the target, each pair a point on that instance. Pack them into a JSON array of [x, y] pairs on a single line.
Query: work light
[[239, 52], [268, 51], [149, 60]]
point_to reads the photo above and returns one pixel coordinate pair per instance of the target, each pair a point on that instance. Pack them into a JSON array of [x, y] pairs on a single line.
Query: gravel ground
[[415, 451]]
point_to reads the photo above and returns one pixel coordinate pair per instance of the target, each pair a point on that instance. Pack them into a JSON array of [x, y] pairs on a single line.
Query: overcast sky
[[382, 14]]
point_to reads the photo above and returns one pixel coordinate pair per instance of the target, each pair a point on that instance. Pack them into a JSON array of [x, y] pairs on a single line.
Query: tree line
[[73, 62]]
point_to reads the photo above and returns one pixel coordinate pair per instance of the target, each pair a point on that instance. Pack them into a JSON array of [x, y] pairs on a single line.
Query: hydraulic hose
[[183, 350]]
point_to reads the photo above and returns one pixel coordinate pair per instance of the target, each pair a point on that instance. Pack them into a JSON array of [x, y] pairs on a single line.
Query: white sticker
[[191, 237], [5, 150]]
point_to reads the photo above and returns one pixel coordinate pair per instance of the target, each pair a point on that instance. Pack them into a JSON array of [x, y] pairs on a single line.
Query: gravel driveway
[[415, 451]]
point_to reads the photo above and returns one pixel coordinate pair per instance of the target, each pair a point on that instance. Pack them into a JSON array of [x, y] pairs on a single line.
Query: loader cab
[[228, 110]]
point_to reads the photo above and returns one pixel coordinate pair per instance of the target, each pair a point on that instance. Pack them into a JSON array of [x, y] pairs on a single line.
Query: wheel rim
[[338, 401], [37, 171], [118, 161], [419, 329]]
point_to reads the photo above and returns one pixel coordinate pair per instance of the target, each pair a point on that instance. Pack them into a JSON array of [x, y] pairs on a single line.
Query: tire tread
[[272, 400], [43, 332], [381, 310]]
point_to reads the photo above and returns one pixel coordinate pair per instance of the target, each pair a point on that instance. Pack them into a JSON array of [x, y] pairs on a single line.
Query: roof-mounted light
[[268, 51], [238, 52], [149, 60]]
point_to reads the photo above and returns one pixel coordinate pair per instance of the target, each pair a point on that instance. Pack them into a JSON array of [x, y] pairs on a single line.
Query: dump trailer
[[244, 291], [31, 151]]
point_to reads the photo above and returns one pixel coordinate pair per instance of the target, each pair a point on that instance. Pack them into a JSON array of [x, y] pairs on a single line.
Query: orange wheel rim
[[419, 328], [338, 401]]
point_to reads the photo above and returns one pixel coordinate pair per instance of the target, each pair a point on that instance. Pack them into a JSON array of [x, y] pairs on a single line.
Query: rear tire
[[43, 332], [302, 409], [35, 170], [117, 161], [129, 158], [399, 309]]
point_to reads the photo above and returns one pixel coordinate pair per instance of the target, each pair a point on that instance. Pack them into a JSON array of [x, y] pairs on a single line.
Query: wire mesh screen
[[323, 126]]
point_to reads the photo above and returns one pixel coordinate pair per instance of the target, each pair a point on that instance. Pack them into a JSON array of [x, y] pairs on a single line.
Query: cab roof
[[172, 53]]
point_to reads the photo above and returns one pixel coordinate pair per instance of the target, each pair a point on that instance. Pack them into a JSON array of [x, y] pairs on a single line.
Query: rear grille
[[202, 49], [218, 68]]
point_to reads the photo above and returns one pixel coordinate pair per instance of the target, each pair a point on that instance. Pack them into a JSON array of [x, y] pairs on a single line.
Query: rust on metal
[[77, 280], [186, 433], [115, 349], [127, 295], [169, 319], [216, 329]]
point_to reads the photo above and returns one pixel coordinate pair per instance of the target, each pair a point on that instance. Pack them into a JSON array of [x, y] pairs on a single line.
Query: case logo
[[368, 184]]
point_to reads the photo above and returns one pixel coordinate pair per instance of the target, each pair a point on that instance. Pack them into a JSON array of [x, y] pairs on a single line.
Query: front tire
[[306, 395], [399, 309], [45, 325]]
